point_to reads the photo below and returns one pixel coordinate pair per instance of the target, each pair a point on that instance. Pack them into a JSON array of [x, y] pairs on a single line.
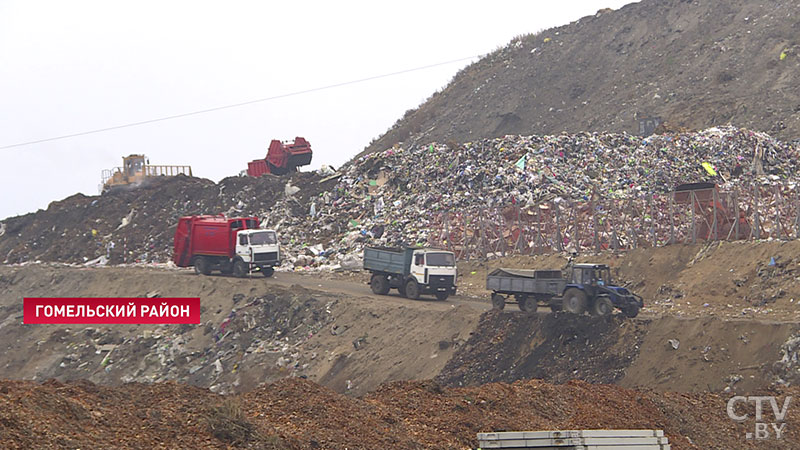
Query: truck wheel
[[379, 284], [412, 289], [527, 304], [498, 301], [442, 296], [631, 311], [602, 307], [267, 271], [240, 269], [574, 301], [202, 266]]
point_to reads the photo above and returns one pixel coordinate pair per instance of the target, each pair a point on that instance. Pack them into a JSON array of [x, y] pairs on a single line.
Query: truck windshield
[[263, 238], [440, 259]]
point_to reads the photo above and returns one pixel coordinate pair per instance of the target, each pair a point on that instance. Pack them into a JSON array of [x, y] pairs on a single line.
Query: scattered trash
[[127, 219], [97, 262], [291, 190]]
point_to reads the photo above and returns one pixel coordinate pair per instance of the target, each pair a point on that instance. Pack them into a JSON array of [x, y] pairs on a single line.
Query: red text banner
[[111, 310]]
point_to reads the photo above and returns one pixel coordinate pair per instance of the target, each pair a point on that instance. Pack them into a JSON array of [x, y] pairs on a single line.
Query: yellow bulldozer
[[135, 170]]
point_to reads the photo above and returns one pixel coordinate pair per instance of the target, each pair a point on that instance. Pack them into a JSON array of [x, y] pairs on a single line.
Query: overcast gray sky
[[68, 67]]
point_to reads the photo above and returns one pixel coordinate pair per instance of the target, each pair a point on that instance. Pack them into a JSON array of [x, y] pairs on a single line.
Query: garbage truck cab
[[258, 248], [234, 245]]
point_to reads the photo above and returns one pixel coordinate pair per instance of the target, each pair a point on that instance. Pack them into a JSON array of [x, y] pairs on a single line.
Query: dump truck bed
[[519, 281], [395, 261]]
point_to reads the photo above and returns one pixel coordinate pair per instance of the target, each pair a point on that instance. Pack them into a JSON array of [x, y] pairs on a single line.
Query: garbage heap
[[391, 197], [397, 197]]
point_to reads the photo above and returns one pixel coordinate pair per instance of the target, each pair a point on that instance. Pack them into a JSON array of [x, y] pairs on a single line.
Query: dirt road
[[357, 285]]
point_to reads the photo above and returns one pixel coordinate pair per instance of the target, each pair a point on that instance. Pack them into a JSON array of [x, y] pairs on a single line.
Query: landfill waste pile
[[392, 197], [787, 369], [299, 414], [265, 332], [676, 63]]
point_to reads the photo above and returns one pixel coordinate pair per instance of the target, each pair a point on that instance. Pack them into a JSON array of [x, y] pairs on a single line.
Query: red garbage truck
[[282, 158], [234, 245]]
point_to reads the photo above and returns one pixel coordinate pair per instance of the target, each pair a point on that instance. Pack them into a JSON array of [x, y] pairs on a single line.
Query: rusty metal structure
[[692, 213]]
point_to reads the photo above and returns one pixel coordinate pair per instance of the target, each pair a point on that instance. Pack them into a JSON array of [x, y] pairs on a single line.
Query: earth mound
[[692, 64]]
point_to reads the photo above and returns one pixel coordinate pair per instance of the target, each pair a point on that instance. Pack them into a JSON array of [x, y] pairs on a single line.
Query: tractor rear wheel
[[574, 301], [379, 284], [602, 307], [498, 301]]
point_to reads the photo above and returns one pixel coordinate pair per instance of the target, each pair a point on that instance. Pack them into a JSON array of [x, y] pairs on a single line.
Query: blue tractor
[[590, 288]]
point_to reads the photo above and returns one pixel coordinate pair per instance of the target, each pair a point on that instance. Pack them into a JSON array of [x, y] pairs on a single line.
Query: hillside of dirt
[[252, 331], [335, 331], [325, 346], [299, 414], [664, 354], [694, 64]]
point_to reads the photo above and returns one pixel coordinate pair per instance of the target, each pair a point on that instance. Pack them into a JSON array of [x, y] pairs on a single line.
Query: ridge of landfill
[[325, 218]]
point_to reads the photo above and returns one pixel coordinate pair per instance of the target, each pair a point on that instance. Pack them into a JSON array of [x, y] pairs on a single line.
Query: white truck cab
[[258, 248], [434, 267]]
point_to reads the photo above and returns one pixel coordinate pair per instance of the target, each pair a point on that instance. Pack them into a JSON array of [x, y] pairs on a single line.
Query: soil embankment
[[336, 332]]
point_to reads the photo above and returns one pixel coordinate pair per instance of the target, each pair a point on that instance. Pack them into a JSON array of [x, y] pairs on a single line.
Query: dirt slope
[[336, 332], [252, 331], [711, 355], [693, 63]]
